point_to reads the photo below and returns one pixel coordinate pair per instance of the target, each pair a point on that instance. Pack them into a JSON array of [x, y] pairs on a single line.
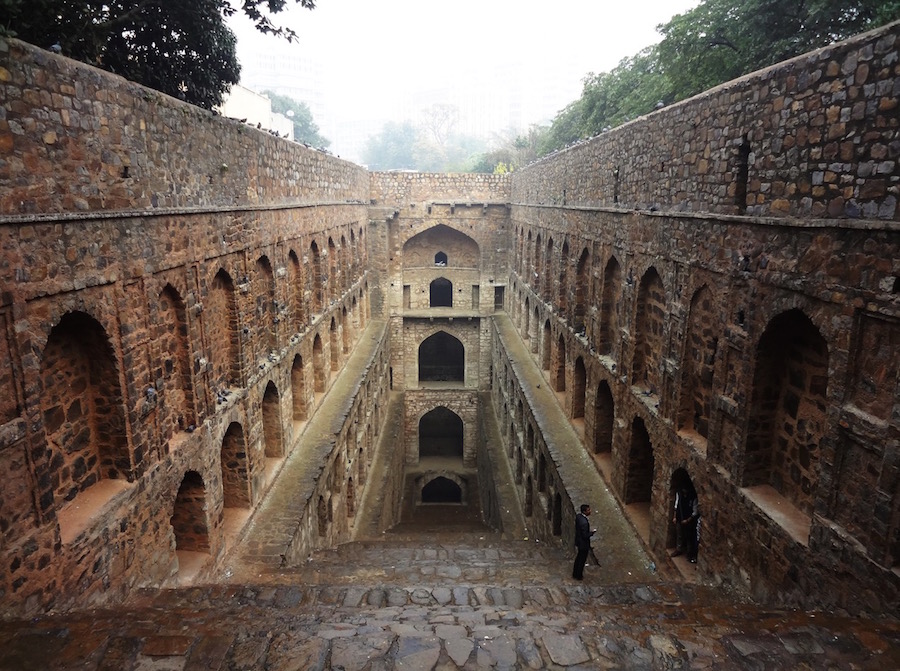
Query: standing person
[[680, 512], [583, 533], [686, 518]]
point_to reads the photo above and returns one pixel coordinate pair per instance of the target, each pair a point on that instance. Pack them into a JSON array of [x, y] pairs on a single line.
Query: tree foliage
[[715, 42], [180, 47], [305, 129], [430, 146], [722, 39]]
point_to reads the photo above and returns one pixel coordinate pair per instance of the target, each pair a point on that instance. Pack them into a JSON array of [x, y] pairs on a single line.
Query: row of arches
[[788, 396], [88, 422]]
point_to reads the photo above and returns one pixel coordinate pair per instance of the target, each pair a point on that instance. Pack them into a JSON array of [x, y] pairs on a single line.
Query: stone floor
[[445, 601]]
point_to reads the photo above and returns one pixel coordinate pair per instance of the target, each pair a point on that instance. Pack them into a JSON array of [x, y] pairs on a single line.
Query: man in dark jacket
[[583, 535]]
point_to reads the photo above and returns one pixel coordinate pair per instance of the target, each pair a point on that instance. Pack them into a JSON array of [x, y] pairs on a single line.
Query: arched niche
[[441, 434], [421, 250], [442, 358], [440, 293]]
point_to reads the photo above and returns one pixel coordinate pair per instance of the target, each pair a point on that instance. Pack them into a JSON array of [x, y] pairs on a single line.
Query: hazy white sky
[[375, 34], [371, 48]]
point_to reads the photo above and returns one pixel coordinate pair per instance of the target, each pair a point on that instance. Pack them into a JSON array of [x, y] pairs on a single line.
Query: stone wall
[[174, 284], [748, 347], [815, 136]]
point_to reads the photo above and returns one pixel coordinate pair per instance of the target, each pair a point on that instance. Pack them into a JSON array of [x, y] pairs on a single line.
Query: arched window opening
[[639, 478], [440, 293], [322, 517], [441, 434], [295, 288], [175, 368], [266, 309], [787, 417], [559, 377], [650, 322], [351, 498], [579, 387], [440, 259], [334, 346], [235, 468], [271, 417], [609, 322], [699, 364], [320, 376], [298, 390], [604, 417], [221, 318], [317, 279], [81, 403], [188, 520], [681, 496], [581, 291], [441, 359], [529, 494], [441, 490]]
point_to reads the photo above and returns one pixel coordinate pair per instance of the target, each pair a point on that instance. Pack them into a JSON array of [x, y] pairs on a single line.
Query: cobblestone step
[[300, 628]]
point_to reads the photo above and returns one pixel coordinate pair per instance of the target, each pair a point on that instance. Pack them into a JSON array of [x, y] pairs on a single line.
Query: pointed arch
[[639, 475], [604, 418], [579, 388], [334, 346], [82, 408], [582, 287], [295, 289], [298, 390], [221, 321], [320, 375], [317, 279], [440, 293], [266, 312], [563, 286], [547, 273], [177, 391], [609, 323], [699, 363], [189, 523], [649, 328], [559, 373], [235, 468], [273, 435], [442, 359], [441, 434], [787, 409]]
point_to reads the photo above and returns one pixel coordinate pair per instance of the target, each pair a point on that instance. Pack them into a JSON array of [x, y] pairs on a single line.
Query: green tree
[[715, 42], [180, 47], [722, 39], [511, 151], [305, 129], [393, 148]]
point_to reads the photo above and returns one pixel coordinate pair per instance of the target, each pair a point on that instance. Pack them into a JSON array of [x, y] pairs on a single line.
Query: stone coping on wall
[[745, 220], [52, 217]]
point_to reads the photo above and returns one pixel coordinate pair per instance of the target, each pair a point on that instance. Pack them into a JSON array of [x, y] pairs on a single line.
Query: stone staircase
[[443, 601]]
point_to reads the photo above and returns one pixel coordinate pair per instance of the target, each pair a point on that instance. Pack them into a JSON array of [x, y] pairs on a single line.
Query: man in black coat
[[583, 535]]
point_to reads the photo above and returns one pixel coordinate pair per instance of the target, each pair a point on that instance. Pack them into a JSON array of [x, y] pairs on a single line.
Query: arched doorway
[[440, 293], [441, 359], [441, 434]]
